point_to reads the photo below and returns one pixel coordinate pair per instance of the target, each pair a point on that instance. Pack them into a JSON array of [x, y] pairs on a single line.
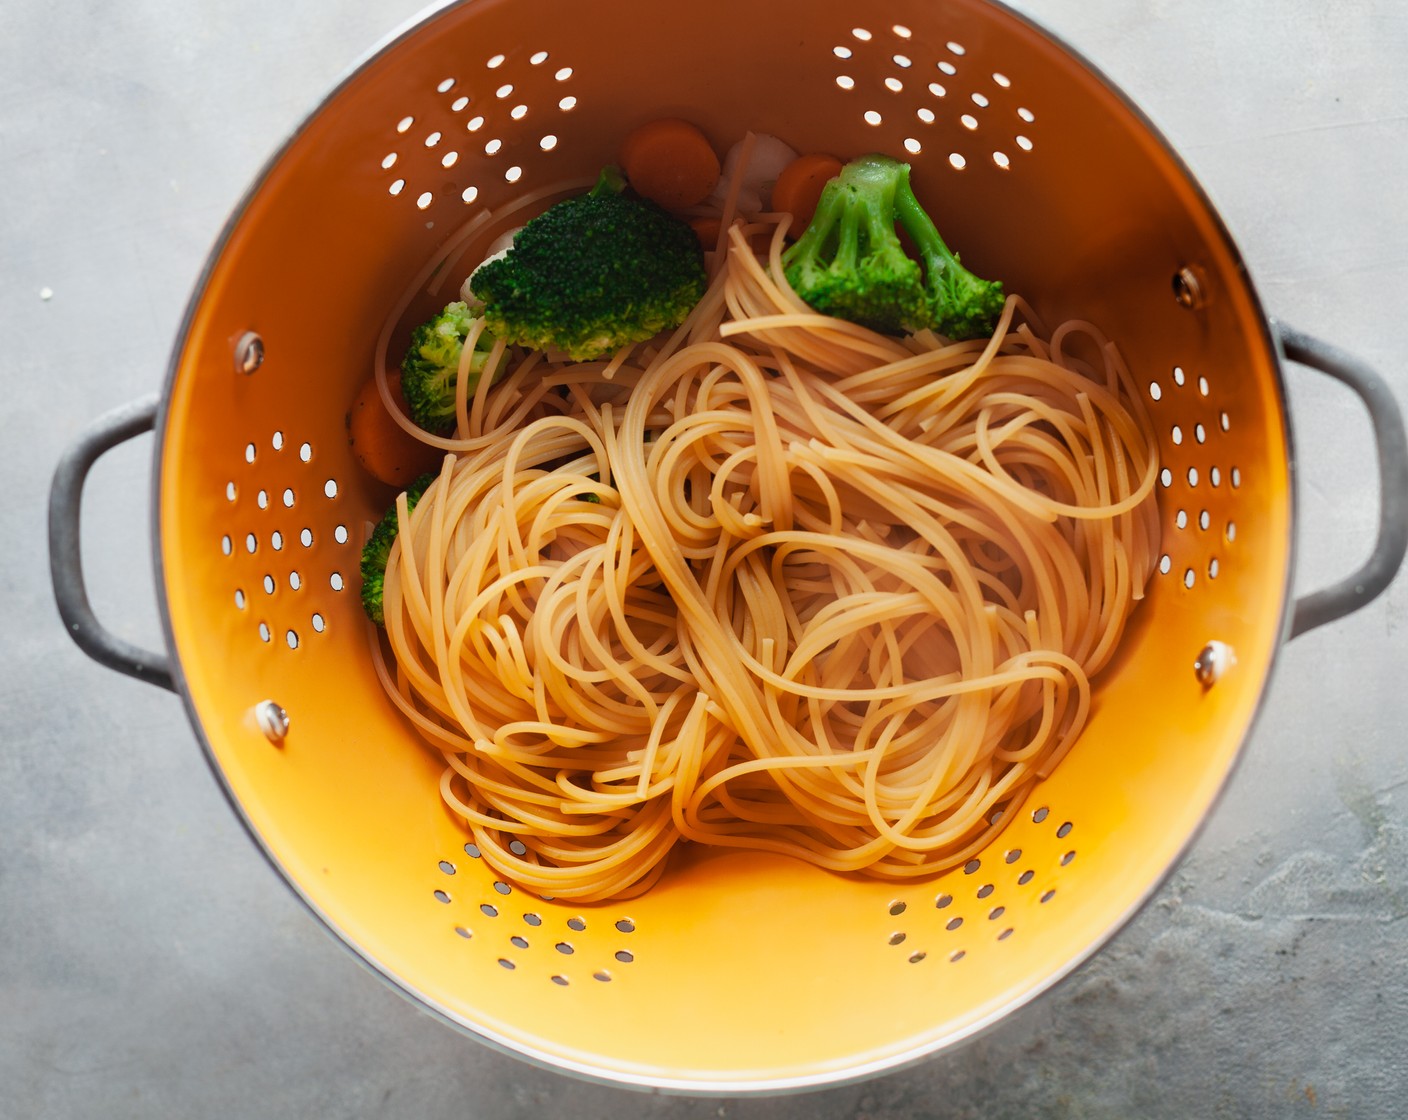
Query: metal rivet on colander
[[1188, 287], [249, 352], [272, 720], [1214, 660]]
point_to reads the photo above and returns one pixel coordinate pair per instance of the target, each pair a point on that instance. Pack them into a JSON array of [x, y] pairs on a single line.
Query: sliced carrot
[[386, 451], [706, 228], [799, 187], [671, 162]]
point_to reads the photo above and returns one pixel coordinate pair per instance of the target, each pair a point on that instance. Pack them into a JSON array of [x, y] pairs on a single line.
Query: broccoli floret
[[377, 551], [592, 274], [850, 262], [431, 366]]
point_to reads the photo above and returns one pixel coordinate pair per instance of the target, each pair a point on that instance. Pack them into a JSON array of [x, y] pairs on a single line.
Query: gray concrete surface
[[152, 966]]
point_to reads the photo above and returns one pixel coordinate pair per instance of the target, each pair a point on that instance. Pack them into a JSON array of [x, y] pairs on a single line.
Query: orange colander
[[737, 972]]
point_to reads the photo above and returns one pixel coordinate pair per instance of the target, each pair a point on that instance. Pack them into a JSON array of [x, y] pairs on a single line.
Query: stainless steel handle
[[1376, 573], [65, 559]]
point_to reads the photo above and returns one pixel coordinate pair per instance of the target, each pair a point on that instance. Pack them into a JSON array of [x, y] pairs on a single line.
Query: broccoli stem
[[962, 304], [610, 181]]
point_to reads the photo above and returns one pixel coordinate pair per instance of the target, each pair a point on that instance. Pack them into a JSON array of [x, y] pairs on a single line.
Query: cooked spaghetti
[[777, 583]]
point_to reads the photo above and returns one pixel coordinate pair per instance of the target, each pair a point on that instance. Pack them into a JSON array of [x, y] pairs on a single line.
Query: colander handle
[[65, 561], [1376, 573]]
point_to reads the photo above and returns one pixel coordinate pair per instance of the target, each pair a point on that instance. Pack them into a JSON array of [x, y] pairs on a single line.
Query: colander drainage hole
[[916, 957], [625, 925], [1049, 895], [502, 887], [1065, 859], [578, 924], [471, 850], [1041, 814], [489, 910], [565, 948], [1013, 855], [1025, 877], [971, 866], [603, 976], [942, 901], [985, 890], [625, 956], [897, 938], [533, 919], [466, 934], [504, 962], [560, 981], [518, 941], [897, 908], [953, 923], [441, 896], [957, 955], [447, 867]]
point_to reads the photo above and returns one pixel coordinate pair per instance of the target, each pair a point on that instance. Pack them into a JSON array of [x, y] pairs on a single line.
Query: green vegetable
[[377, 551], [850, 263], [431, 366], [592, 274]]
